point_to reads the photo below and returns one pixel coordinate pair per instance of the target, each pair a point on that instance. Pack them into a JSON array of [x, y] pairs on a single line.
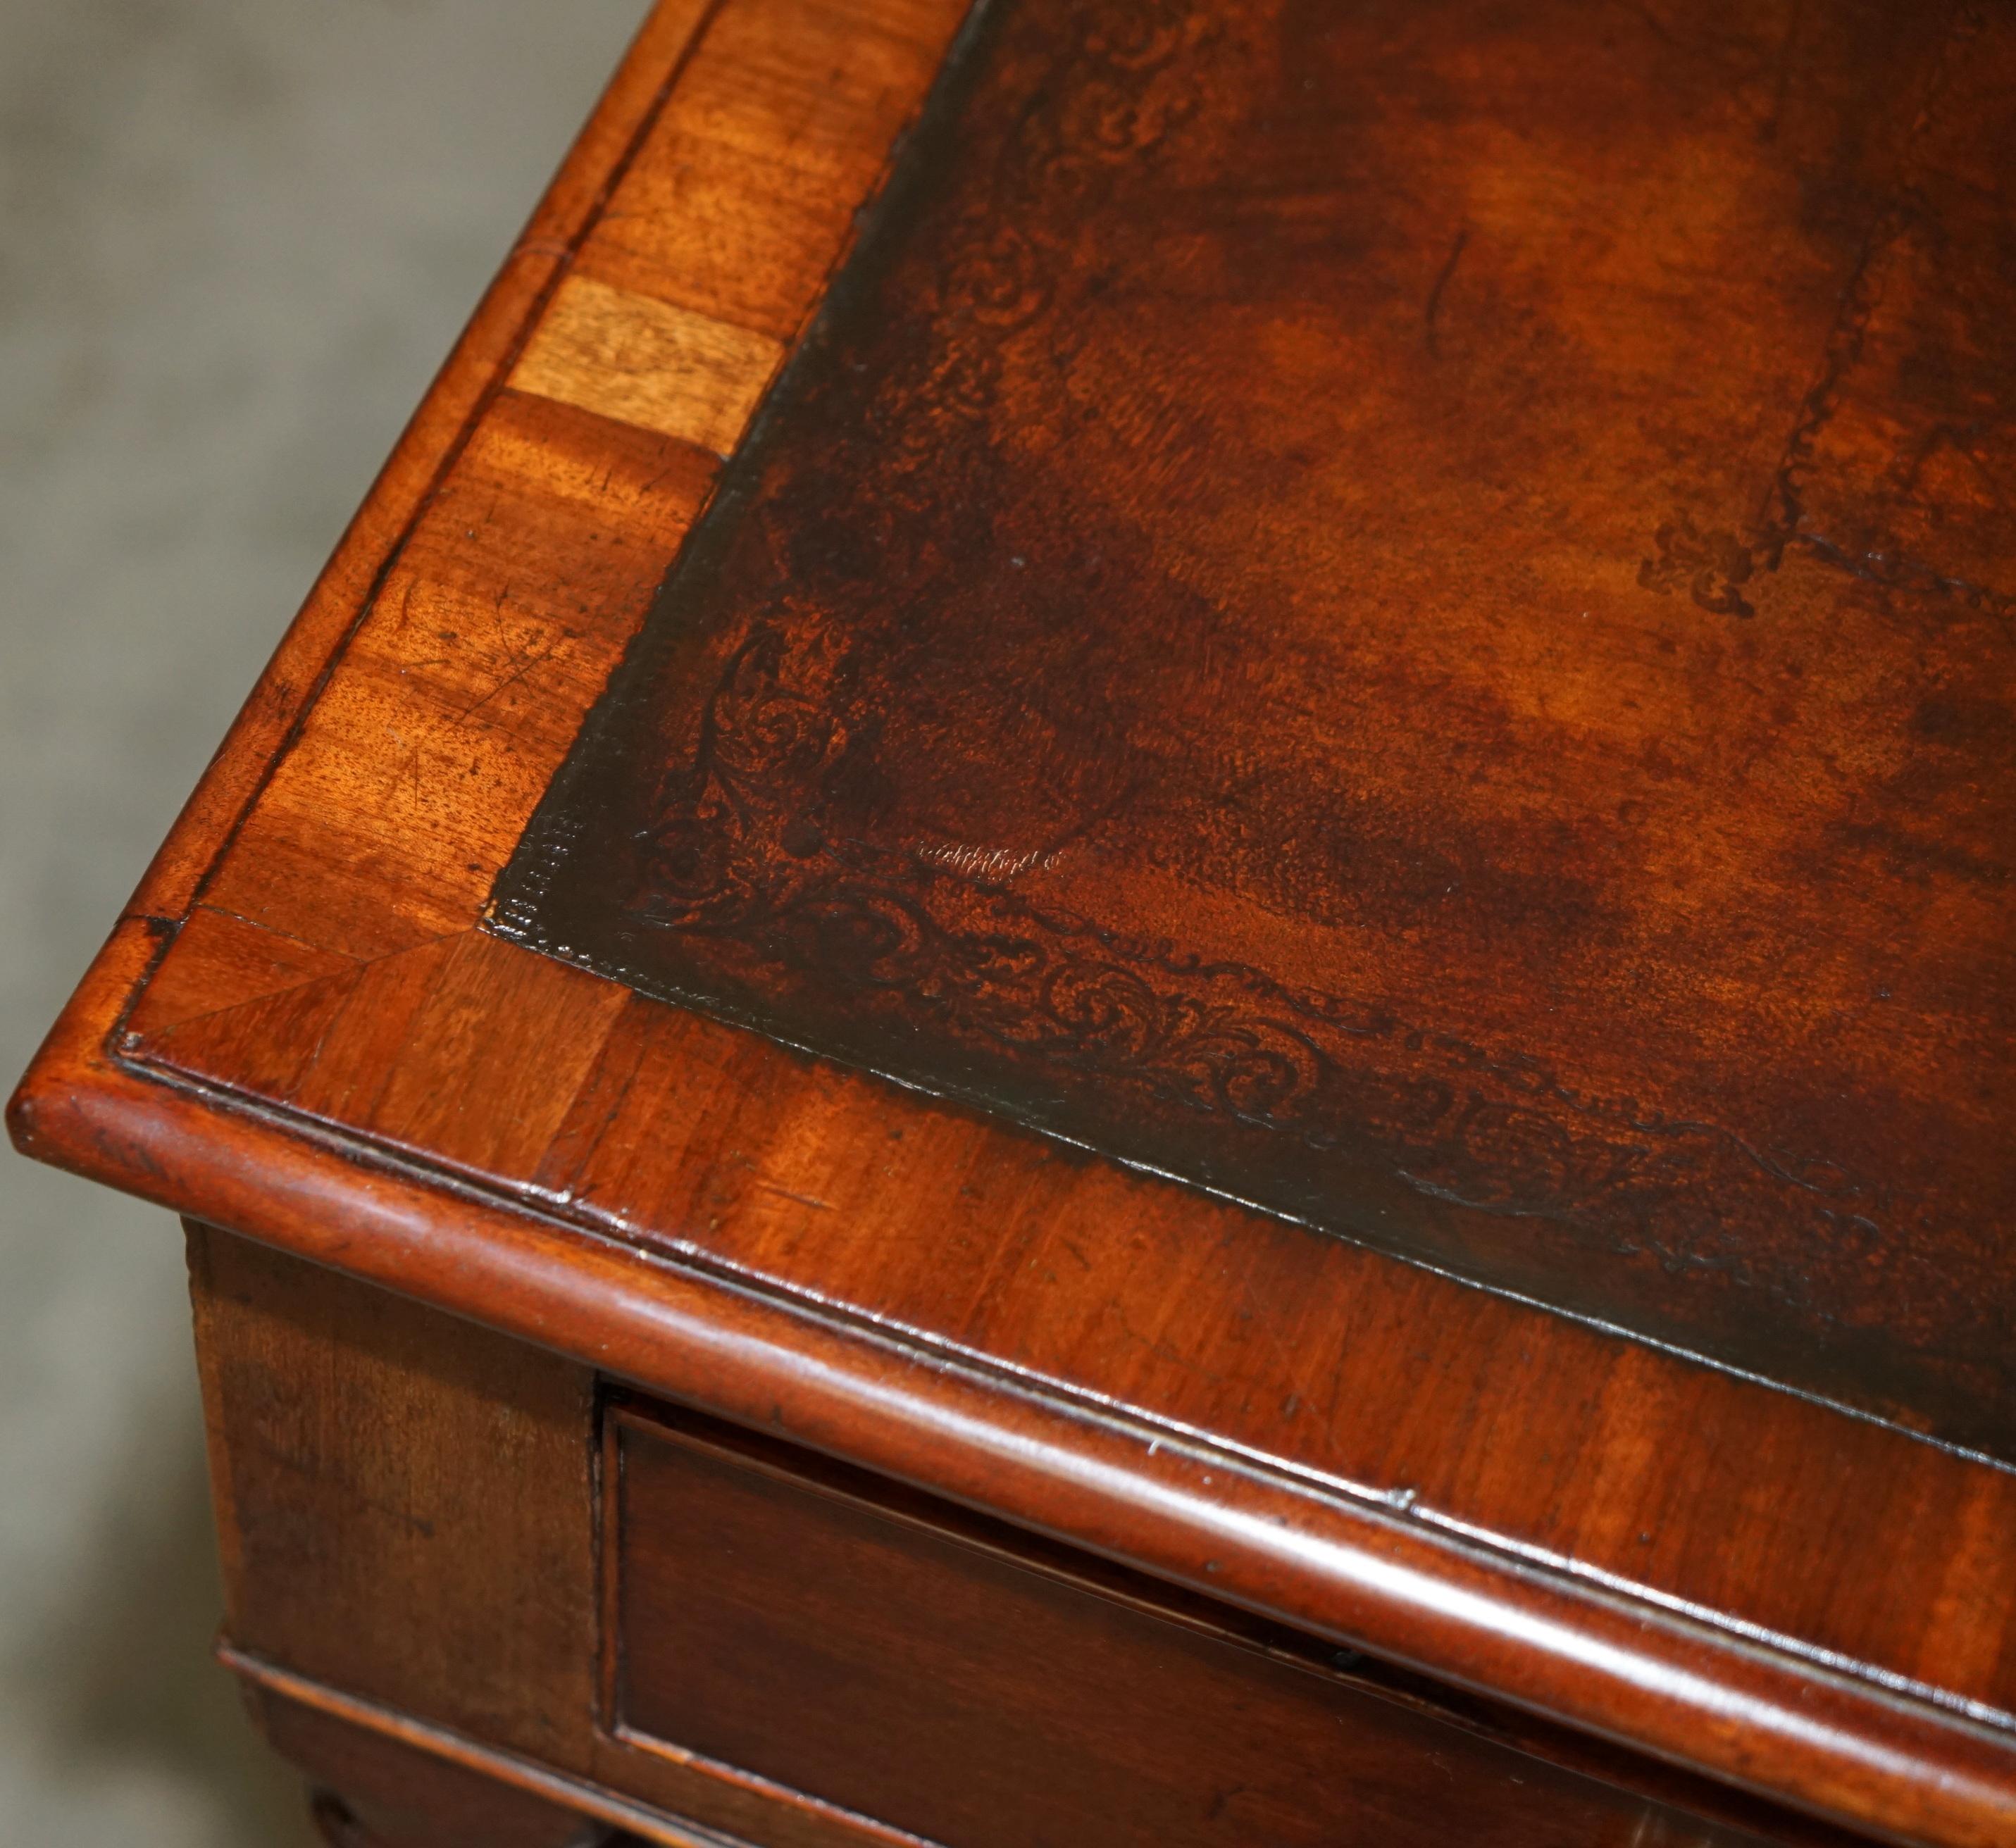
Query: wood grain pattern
[[387, 1780], [743, 198], [952, 1679], [1581, 1451], [604, 150], [648, 363], [373, 1792], [1355, 1570], [506, 606], [529, 561], [408, 1513], [295, 1032], [390, 1479], [343, 1423]]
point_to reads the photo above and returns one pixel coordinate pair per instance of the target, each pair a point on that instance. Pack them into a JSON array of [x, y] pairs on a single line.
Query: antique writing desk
[[1126, 957]]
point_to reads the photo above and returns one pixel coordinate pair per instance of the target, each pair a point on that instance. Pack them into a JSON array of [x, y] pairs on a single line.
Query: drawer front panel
[[974, 1687]]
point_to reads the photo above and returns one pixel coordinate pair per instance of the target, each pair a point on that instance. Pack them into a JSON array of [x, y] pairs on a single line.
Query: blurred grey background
[[236, 237]]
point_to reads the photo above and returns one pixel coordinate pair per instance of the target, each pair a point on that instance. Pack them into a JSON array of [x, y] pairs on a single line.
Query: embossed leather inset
[[1404, 614]]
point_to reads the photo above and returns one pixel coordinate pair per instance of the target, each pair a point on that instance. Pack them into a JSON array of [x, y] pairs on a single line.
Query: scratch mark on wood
[[804, 1199]]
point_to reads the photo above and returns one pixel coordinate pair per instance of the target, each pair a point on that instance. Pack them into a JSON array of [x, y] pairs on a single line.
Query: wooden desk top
[[1304, 874]]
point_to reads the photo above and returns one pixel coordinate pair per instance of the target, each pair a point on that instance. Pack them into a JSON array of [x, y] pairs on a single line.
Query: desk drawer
[[965, 1683]]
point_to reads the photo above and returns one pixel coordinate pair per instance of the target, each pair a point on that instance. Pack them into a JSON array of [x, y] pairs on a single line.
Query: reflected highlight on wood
[[648, 363]]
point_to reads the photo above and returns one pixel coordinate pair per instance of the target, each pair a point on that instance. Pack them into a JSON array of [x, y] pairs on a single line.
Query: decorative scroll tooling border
[[738, 851]]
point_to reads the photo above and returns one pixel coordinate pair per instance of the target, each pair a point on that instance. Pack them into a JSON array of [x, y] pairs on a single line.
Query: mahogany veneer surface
[[1363, 656], [952, 1680]]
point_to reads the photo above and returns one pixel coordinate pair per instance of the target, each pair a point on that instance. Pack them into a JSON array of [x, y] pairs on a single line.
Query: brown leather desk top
[[1306, 873], [1397, 612]]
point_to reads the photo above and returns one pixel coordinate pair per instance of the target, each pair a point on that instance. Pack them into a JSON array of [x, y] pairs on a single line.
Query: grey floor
[[235, 238]]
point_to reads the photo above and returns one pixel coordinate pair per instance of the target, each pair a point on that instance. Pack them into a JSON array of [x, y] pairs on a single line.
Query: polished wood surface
[[962, 1680], [301, 1029], [372, 1792], [423, 1557], [407, 1507]]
